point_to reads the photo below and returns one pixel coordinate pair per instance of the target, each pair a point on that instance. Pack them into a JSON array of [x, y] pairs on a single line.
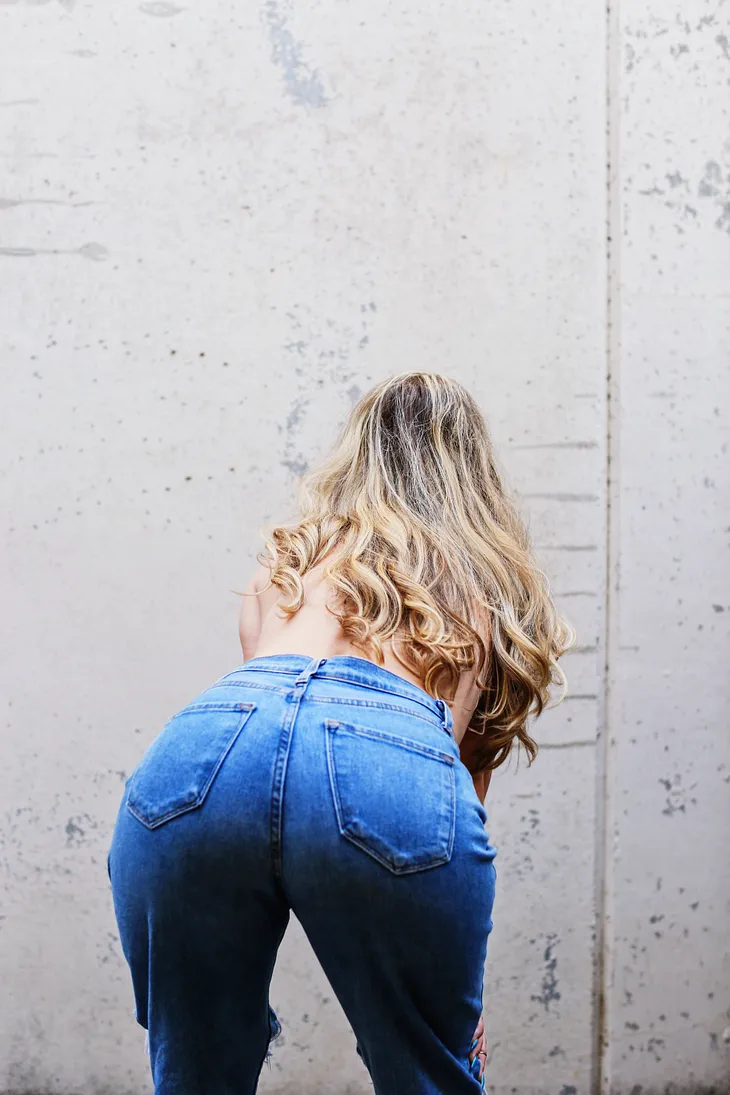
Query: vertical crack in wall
[[601, 1081]]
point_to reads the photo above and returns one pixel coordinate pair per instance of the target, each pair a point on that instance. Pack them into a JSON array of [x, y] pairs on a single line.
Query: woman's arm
[[249, 620], [481, 784], [467, 746]]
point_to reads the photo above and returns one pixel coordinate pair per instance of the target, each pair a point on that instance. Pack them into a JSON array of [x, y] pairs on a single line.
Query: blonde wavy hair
[[427, 550]]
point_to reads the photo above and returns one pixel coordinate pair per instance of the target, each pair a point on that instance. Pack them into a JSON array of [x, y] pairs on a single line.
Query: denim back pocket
[[394, 798], [178, 769]]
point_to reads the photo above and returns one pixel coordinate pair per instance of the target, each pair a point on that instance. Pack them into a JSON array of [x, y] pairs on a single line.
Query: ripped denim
[[333, 789], [274, 1033]]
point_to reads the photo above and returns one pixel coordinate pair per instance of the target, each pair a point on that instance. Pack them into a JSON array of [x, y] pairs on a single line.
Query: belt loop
[[309, 670], [448, 718]]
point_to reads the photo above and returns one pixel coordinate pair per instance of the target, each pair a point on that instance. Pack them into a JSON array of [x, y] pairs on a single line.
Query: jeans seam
[[266, 1053], [342, 680], [245, 710], [214, 705], [378, 707], [252, 684], [277, 790], [391, 739]]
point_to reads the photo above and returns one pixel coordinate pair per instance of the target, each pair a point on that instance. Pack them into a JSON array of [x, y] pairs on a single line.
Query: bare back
[[315, 631]]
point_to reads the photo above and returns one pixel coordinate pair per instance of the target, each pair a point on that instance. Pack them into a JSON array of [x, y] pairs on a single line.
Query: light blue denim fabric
[[332, 788]]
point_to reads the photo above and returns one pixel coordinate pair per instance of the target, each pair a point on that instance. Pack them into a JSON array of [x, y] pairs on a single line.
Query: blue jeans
[[333, 788]]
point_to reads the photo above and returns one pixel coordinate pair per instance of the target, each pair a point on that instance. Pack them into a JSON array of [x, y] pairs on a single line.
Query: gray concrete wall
[[667, 907], [219, 224]]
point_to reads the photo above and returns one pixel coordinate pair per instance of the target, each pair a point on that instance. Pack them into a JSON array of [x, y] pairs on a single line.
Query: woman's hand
[[478, 1051]]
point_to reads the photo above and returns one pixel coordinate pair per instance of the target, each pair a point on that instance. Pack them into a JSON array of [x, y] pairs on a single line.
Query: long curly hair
[[426, 549]]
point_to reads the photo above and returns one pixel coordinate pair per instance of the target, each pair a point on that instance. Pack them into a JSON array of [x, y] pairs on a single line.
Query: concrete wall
[[667, 1003], [220, 223]]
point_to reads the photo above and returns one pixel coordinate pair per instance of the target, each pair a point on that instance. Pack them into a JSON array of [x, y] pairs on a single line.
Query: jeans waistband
[[347, 667]]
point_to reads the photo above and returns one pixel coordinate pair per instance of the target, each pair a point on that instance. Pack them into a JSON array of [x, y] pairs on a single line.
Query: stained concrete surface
[[220, 224]]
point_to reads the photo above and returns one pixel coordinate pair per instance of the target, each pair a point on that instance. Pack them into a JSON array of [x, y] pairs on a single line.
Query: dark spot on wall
[[710, 182], [549, 993], [653, 1046], [74, 832], [296, 467], [303, 84], [723, 221], [295, 414]]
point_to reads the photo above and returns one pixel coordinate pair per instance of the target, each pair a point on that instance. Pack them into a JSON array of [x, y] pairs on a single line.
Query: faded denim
[[332, 788]]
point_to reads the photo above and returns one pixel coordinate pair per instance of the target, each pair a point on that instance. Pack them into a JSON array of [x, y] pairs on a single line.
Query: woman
[[396, 637]]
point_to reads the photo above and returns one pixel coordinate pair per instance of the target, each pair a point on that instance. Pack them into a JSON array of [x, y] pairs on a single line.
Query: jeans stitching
[[332, 727], [214, 705], [390, 739], [343, 680], [246, 710], [379, 707], [350, 702], [250, 684]]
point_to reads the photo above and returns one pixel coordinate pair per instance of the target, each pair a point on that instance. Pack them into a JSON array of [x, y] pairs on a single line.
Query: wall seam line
[[601, 1080]]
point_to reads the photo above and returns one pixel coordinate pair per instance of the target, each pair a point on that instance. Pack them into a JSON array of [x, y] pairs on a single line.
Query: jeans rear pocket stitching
[[245, 710], [377, 706], [213, 705], [393, 739], [332, 726], [250, 684]]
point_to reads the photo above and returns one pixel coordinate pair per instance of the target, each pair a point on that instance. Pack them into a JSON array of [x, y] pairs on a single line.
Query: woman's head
[[426, 549]]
